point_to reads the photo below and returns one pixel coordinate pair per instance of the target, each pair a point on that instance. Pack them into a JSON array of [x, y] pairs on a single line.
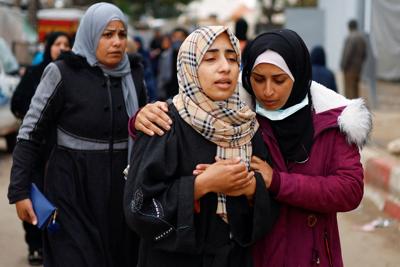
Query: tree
[[269, 8], [304, 3], [155, 8], [84, 2], [137, 8], [33, 8], [274, 7]]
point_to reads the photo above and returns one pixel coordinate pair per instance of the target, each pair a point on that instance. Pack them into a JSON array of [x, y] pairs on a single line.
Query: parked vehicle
[[58, 19], [9, 80]]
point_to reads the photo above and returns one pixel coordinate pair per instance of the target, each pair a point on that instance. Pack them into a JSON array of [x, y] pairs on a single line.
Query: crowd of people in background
[[158, 57]]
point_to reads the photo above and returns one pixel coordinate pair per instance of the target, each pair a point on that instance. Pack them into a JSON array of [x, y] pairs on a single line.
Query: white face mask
[[280, 114]]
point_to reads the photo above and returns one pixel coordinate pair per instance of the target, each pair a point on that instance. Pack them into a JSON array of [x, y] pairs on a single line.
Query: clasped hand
[[241, 182], [229, 177]]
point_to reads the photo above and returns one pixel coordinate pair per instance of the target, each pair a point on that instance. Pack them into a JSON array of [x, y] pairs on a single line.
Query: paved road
[[13, 251], [379, 248]]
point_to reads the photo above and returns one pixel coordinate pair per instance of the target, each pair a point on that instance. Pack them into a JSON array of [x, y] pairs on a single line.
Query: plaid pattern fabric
[[230, 124]]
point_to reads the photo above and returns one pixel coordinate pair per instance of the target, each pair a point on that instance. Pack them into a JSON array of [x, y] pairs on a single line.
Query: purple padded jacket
[[311, 193]]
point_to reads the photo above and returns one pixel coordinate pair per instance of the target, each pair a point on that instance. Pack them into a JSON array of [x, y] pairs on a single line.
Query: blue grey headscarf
[[90, 29]]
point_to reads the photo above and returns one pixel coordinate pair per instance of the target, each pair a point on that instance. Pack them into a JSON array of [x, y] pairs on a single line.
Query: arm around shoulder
[[41, 116]]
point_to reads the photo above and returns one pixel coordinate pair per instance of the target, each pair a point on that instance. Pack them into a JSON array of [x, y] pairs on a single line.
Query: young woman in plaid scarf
[[210, 219]]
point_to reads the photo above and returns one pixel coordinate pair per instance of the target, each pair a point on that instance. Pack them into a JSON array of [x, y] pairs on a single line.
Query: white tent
[[60, 13], [13, 26], [224, 9]]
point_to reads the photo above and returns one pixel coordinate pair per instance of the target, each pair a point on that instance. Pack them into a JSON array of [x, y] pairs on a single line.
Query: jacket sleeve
[[36, 127], [23, 94], [25, 157], [341, 190], [158, 203]]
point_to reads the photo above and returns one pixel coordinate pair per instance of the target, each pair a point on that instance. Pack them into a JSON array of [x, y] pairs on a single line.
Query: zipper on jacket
[[327, 248], [315, 260], [315, 257], [110, 140]]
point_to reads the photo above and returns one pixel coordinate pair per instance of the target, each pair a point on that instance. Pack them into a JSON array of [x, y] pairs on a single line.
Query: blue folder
[[41, 205]]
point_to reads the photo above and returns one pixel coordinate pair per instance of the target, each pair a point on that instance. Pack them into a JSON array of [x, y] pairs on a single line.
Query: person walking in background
[[56, 42], [148, 72], [314, 136], [86, 97], [38, 55], [241, 28], [320, 73], [167, 84], [211, 219], [353, 56], [155, 50]]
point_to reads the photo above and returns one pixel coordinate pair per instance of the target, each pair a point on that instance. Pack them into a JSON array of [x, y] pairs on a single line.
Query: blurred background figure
[[320, 73], [155, 50], [164, 66], [353, 56], [167, 79], [148, 72], [241, 28], [213, 19], [38, 55], [56, 42]]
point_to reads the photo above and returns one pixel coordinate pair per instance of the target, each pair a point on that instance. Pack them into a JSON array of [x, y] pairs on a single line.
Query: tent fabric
[[13, 27], [384, 38]]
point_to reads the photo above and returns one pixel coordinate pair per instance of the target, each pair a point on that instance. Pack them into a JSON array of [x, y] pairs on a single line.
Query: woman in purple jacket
[[314, 136]]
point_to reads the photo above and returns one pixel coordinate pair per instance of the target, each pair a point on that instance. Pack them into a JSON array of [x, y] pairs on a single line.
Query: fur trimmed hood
[[355, 120]]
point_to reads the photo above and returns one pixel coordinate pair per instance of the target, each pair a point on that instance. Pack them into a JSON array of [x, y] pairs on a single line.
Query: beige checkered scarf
[[230, 124]]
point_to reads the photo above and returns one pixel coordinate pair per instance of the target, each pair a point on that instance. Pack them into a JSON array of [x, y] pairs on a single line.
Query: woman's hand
[[200, 168], [258, 165], [152, 117], [248, 191], [25, 211], [223, 176]]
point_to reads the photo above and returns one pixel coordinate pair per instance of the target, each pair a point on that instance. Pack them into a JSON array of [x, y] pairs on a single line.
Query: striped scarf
[[230, 124]]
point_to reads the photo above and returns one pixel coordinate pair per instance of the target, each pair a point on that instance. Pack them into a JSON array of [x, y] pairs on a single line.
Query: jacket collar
[[334, 110]]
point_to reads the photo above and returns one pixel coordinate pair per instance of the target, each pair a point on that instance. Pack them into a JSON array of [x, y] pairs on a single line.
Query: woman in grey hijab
[[85, 98]]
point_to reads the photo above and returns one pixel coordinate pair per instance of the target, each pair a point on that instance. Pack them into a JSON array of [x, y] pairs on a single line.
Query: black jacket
[[84, 177], [159, 204], [25, 90]]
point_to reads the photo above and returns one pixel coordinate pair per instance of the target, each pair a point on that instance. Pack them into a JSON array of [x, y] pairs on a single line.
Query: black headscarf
[[294, 133], [50, 39], [241, 27], [318, 56], [29, 82]]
